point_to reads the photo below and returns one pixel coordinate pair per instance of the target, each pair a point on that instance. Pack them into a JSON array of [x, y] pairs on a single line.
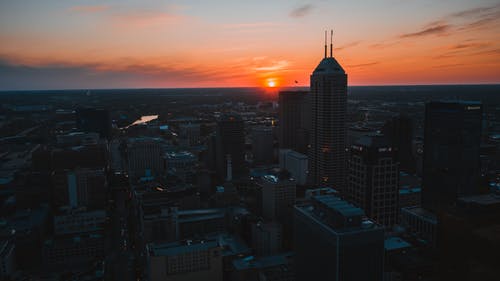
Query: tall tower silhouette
[[327, 153]]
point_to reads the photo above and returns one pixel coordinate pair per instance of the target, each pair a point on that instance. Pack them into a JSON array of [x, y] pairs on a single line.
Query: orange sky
[[85, 44]]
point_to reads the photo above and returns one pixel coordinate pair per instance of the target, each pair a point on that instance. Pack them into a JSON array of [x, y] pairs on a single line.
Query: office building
[[94, 120], [145, 157], [230, 143], [189, 260], [262, 145], [451, 165], [7, 258], [277, 267], [333, 241], [181, 164], [189, 133], [373, 179], [420, 222], [278, 196], [399, 132], [295, 163], [80, 188], [293, 120], [75, 221], [327, 154], [267, 238]]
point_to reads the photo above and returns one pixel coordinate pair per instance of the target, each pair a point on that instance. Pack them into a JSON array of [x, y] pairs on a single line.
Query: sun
[[271, 84]]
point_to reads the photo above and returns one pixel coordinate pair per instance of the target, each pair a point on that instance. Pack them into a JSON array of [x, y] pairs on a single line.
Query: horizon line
[[245, 87]]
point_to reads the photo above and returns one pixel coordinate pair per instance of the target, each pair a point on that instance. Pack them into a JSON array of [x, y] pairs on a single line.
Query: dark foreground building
[[452, 140], [332, 241]]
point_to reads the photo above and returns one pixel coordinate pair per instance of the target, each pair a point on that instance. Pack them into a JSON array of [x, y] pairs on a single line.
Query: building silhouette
[[327, 154], [94, 120], [230, 144], [262, 145], [399, 130], [294, 117], [332, 241], [373, 179], [452, 139]]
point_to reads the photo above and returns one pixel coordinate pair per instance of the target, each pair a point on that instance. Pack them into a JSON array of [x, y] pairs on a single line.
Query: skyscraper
[[230, 140], [262, 145], [452, 139], [373, 179], [294, 120], [327, 154], [334, 242], [399, 130]]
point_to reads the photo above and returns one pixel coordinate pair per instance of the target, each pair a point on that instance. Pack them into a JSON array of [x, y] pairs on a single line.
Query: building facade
[[327, 153], [451, 165], [373, 179]]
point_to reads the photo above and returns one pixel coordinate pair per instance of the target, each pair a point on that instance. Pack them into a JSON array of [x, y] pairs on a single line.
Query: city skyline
[[154, 44]]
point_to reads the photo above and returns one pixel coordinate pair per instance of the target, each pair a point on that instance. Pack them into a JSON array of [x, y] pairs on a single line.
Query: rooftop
[[181, 247], [395, 243], [251, 262], [329, 65]]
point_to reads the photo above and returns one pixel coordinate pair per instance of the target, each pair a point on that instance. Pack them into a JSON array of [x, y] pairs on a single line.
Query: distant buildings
[[327, 154], [334, 242], [189, 133], [373, 179], [452, 141], [94, 120]]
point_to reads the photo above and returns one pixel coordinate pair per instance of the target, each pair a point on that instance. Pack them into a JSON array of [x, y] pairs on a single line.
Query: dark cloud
[[301, 11], [348, 45], [64, 76], [363, 64], [474, 12], [439, 29], [448, 65]]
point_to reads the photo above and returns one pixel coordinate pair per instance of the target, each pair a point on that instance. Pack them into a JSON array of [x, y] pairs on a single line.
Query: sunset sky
[[196, 43]]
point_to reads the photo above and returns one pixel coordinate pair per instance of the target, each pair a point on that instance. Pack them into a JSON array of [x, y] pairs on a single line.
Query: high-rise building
[[262, 145], [145, 157], [294, 122], [230, 140], [295, 163], [399, 131], [80, 188], [94, 120], [327, 154], [373, 179], [189, 133], [332, 241], [451, 166], [278, 196], [267, 238]]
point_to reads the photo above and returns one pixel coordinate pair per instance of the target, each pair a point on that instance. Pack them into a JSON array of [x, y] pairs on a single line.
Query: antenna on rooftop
[[325, 43], [331, 43]]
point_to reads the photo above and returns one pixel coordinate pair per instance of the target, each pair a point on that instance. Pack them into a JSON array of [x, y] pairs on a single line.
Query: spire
[[325, 43], [331, 43]]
